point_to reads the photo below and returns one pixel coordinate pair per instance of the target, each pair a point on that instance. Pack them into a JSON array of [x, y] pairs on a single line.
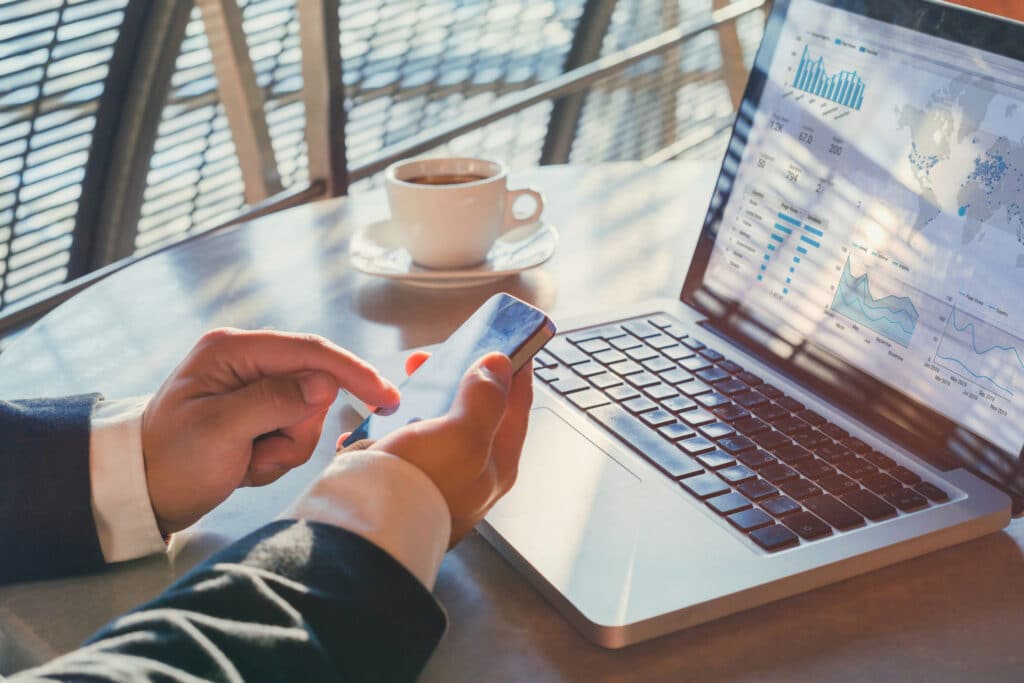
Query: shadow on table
[[949, 615]]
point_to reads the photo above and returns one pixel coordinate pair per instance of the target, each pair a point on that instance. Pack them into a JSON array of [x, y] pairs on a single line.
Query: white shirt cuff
[[389, 502], [121, 509]]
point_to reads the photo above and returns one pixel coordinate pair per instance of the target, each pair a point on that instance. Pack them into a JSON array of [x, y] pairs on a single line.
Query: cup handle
[[511, 221]]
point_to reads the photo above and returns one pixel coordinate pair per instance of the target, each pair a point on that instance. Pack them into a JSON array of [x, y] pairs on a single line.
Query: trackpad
[[560, 467]]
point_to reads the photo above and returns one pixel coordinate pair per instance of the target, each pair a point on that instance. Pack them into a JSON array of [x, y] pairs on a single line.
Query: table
[[955, 614]]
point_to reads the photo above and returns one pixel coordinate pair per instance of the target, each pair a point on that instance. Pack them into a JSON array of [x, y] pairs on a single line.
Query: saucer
[[376, 249]]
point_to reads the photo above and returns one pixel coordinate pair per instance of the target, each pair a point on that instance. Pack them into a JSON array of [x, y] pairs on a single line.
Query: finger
[[508, 440], [270, 404], [340, 441], [255, 354], [482, 400], [290, 448], [415, 360]]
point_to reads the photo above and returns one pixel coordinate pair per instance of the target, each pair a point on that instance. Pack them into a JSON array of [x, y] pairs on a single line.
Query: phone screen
[[503, 323]]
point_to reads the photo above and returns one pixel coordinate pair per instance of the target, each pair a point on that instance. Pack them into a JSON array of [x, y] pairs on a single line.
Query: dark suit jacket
[[294, 601]]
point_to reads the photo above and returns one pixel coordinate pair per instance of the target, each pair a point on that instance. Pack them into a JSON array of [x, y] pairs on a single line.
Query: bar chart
[[845, 87], [803, 235]]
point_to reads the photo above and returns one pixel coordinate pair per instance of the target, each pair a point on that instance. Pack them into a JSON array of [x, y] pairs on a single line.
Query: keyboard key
[[879, 460], [880, 483], [694, 364], [800, 489], [711, 355], [790, 424], [647, 443], [622, 393], [755, 459], [560, 348], [807, 525], [735, 444], [658, 418], [858, 468], [625, 368], [770, 411], [729, 503], [792, 454], [638, 405], [593, 346], [716, 430], [605, 380], [544, 359], [642, 353], [679, 404], [712, 400], [781, 506], [716, 460], [906, 500], [777, 473], [610, 356], [660, 391], [588, 369], [693, 343], [730, 366], [697, 418], [757, 489], [835, 431], [790, 403], [857, 446], [811, 417], [569, 384], [932, 492], [731, 412], [696, 445], [676, 431], [676, 331], [642, 379], [751, 425], [815, 469], [594, 333], [693, 388], [677, 353], [737, 474], [771, 391], [908, 477], [811, 439], [625, 342], [713, 374], [705, 486], [748, 520], [676, 376], [834, 512], [772, 440], [660, 341], [774, 537], [749, 378], [661, 321], [640, 328], [659, 364], [869, 505], [731, 387], [548, 374], [750, 399], [834, 453], [588, 398]]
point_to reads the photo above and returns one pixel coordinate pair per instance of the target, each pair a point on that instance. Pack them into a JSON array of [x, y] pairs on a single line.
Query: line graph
[[983, 351], [893, 317]]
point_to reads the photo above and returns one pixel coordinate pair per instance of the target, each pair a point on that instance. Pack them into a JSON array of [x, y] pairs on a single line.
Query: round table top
[[627, 232]]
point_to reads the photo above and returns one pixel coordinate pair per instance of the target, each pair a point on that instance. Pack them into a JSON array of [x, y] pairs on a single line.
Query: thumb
[[274, 403], [482, 399]]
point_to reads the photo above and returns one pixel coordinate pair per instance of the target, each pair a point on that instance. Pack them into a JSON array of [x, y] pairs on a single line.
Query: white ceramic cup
[[454, 225]]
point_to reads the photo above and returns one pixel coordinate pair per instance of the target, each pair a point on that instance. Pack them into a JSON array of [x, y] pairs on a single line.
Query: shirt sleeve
[[125, 522], [387, 501]]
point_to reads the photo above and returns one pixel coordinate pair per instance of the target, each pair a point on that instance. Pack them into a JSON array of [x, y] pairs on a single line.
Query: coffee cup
[[450, 211]]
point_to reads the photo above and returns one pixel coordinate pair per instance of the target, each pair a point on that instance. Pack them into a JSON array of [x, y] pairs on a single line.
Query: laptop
[[840, 385]]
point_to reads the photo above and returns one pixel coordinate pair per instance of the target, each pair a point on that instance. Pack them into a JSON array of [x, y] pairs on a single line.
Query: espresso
[[446, 179]]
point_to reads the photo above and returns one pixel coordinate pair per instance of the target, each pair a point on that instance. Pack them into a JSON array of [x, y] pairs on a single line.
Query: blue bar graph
[[808, 240], [789, 219], [845, 88]]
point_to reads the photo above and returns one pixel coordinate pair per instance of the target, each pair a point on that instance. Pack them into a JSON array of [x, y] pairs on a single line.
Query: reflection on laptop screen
[[878, 212]]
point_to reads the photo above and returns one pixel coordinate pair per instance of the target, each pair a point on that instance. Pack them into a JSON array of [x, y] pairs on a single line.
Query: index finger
[[255, 354]]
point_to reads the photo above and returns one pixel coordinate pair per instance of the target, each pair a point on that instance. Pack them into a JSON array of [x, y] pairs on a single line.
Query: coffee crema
[[446, 179]]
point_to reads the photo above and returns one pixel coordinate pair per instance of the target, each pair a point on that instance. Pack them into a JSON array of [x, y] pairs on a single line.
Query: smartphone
[[503, 323]]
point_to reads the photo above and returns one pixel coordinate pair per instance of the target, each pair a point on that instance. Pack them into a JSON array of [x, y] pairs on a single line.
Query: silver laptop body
[[619, 546]]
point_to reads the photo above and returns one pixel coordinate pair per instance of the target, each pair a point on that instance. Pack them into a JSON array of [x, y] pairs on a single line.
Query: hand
[[241, 410], [472, 454]]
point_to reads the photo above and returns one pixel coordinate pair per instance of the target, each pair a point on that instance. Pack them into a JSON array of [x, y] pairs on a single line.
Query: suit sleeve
[[296, 600], [46, 521]]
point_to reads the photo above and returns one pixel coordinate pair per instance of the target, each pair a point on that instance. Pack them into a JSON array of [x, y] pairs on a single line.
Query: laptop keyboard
[[780, 473]]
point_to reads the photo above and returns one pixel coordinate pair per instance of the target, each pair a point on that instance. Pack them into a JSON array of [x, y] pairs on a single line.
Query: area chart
[[893, 317], [982, 352], [845, 88]]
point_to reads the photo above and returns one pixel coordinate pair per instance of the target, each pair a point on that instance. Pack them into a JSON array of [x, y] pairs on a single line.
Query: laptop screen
[[868, 226]]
